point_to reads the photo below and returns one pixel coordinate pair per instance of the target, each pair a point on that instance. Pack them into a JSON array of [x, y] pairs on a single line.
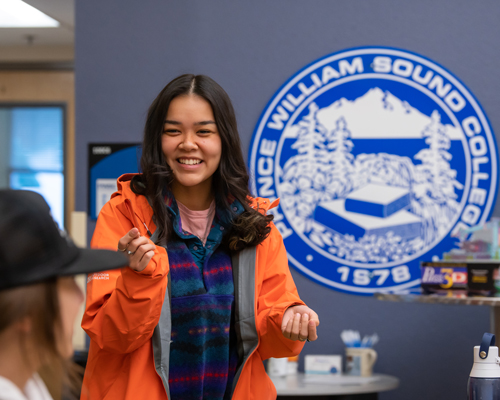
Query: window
[[32, 152]]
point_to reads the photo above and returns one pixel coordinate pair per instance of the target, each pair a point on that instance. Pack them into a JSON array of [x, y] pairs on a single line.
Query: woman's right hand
[[137, 248]]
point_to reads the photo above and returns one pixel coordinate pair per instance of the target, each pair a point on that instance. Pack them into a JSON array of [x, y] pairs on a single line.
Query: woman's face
[[70, 299], [191, 143]]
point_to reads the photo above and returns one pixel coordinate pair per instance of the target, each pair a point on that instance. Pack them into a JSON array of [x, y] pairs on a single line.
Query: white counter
[[326, 385]]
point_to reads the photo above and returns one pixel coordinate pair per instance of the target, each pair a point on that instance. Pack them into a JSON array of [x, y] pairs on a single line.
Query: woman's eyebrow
[[168, 121]]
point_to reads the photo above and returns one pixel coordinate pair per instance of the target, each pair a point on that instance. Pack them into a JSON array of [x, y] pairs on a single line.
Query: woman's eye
[[171, 131], [204, 131]]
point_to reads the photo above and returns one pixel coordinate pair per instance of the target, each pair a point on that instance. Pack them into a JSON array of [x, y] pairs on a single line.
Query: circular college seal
[[379, 157]]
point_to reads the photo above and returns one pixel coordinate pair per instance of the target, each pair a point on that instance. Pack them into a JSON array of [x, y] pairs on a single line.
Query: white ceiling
[[61, 10]]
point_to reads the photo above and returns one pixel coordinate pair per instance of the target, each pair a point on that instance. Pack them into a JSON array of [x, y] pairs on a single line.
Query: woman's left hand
[[299, 323]]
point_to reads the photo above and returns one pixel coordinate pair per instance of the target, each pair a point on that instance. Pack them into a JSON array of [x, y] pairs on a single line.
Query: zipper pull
[[147, 229], [133, 217]]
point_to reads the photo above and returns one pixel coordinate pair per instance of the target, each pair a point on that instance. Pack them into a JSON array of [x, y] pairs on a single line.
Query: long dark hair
[[230, 180]]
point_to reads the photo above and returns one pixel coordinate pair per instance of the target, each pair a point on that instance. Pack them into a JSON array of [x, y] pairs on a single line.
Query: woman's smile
[[189, 161]]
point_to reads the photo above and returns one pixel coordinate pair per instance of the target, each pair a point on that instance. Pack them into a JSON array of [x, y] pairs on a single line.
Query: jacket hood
[[262, 204], [123, 184], [134, 206]]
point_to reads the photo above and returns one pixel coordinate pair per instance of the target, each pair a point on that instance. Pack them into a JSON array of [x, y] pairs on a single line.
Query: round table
[[338, 387]]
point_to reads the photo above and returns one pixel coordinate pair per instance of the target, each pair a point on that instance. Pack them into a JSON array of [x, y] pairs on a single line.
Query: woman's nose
[[188, 142]]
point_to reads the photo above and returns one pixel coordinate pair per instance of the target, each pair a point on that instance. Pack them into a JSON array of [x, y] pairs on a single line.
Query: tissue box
[[319, 364]]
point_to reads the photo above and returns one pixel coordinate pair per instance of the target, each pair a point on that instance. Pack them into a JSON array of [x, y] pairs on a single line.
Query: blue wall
[[126, 51]]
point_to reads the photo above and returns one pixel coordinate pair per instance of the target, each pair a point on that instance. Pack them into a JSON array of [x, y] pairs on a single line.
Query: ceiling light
[[18, 14]]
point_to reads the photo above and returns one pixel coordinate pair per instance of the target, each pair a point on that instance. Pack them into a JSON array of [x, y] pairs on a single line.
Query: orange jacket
[[124, 306]]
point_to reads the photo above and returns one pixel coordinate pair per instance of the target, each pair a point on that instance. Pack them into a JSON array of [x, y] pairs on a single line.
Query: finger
[[286, 318], [288, 331], [141, 257], [146, 258], [284, 322], [143, 250], [125, 240], [135, 244], [133, 233], [296, 327], [314, 317], [304, 326], [136, 255], [313, 334]]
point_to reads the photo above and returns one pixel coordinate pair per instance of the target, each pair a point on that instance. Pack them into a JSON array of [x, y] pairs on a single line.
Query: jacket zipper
[[166, 394]]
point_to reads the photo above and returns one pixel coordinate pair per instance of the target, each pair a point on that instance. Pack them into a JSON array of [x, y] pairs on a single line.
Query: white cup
[[277, 366], [360, 361]]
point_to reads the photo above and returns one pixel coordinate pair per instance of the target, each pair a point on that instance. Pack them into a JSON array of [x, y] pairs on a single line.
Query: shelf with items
[[492, 302]]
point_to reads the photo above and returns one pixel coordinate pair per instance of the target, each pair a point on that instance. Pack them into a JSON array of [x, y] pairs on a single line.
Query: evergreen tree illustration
[[340, 161], [435, 181], [300, 170]]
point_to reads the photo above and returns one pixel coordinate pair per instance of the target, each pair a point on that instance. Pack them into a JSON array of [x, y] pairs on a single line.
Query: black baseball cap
[[34, 249]]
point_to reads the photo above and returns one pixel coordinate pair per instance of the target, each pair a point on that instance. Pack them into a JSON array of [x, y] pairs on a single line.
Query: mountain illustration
[[377, 115], [370, 207]]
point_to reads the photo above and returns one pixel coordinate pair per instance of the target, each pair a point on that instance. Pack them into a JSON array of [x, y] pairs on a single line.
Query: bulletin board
[[107, 162]]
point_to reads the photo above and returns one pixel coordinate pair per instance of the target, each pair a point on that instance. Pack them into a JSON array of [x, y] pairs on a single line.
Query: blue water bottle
[[484, 379]]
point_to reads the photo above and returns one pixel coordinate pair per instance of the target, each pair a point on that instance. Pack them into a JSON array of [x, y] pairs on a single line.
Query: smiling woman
[[209, 290], [192, 148]]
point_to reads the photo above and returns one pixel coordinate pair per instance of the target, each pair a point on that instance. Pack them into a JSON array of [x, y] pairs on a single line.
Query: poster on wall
[[379, 156], [107, 161]]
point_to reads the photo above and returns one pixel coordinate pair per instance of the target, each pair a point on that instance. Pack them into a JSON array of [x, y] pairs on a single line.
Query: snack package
[[472, 278], [443, 277], [481, 278]]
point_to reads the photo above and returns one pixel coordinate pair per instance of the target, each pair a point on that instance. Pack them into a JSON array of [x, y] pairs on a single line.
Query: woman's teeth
[[189, 162]]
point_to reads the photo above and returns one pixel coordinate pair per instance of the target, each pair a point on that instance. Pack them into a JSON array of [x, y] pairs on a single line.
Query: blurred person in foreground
[[39, 298]]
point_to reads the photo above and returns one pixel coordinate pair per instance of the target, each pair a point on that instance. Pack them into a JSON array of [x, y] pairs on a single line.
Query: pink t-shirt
[[197, 222]]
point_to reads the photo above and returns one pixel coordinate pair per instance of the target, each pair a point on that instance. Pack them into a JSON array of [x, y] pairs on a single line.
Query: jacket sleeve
[[276, 293], [123, 306]]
